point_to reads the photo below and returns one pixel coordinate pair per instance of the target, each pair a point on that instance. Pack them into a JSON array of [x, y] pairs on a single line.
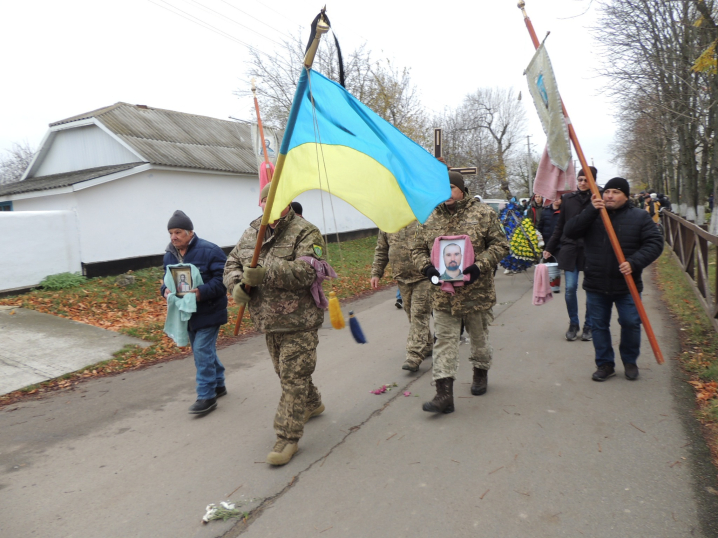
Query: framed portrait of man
[[451, 264], [183, 279]]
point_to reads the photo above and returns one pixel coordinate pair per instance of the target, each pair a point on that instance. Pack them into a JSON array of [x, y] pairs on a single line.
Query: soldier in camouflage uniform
[[281, 306], [395, 248], [472, 303]]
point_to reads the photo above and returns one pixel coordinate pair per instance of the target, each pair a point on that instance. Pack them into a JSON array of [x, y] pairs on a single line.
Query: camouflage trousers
[[294, 356], [417, 305], [446, 348]]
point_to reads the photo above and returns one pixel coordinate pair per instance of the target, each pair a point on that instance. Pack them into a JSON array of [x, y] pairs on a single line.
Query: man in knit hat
[[605, 279], [203, 326], [471, 303], [279, 297]]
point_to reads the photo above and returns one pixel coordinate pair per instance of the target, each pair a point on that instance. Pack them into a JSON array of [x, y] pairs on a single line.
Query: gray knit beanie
[[181, 221]]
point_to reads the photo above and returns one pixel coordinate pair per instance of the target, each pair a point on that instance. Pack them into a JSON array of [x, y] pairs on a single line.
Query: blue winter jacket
[[210, 260]]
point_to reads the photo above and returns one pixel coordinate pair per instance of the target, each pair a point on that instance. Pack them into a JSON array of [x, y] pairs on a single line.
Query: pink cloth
[[265, 176], [542, 288], [551, 179], [468, 259], [324, 271]]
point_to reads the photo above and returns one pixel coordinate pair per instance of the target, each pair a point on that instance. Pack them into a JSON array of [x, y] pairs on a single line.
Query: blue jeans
[[398, 294], [572, 300], [629, 320], [210, 372]]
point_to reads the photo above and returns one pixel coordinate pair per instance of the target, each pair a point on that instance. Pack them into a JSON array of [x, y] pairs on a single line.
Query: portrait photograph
[[183, 279], [451, 263]]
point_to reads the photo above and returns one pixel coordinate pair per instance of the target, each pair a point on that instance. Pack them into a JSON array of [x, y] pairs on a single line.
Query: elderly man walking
[[604, 280], [211, 296], [470, 300]]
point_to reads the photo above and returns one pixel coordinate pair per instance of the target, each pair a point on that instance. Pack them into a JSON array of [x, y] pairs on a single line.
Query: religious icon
[[183, 279], [451, 262]]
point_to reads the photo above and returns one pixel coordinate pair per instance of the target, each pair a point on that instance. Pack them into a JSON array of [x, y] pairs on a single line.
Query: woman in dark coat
[[569, 253]]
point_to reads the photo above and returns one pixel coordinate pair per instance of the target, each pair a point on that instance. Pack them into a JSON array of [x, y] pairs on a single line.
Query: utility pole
[[528, 164]]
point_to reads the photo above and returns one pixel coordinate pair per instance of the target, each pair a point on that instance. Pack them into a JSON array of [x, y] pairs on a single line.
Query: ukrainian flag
[[335, 143]]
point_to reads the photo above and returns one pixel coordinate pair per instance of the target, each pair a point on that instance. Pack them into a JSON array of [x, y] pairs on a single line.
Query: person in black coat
[[203, 326], [605, 280], [546, 226], [570, 255]]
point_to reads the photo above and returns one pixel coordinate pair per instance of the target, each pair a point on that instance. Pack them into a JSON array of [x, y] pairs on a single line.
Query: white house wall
[[35, 245], [81, 148], [127, 218]]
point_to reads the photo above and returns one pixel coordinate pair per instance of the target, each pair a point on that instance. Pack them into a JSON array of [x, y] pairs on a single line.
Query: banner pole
[[322, 28], [604, 214]]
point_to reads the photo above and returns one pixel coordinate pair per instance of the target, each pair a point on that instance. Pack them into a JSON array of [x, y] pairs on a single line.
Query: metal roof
[[170, 138], [62, 180]]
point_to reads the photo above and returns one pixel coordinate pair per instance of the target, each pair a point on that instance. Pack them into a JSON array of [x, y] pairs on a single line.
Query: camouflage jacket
[[481, 224], [283, 302], [396, 249]]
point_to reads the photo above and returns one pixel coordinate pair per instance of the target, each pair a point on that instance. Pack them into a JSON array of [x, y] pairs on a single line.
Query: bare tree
[[382, 86], [484, 132], [15, 161]]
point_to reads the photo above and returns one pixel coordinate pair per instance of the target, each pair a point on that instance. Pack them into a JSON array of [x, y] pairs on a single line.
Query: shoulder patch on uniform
[[318, 250]]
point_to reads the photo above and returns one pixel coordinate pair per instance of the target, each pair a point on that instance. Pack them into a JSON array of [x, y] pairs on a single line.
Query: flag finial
[[522, 5]]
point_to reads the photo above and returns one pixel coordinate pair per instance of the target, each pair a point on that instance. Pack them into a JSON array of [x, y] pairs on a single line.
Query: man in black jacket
[[569, 254], [203, 326], [604, 279]]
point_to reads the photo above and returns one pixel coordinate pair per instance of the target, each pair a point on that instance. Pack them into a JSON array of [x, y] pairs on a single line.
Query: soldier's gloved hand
[[253, 277], [430, 272], [473, 272], [240, 296]]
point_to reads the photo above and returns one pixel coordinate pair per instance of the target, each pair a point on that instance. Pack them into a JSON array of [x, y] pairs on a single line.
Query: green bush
[[62, 281]]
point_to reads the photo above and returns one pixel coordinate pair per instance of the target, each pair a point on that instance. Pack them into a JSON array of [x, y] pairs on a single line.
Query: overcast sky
[[65, 58]]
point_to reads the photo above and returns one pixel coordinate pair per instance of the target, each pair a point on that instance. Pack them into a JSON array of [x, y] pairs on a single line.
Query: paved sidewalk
[[35, 347], [546, 452]]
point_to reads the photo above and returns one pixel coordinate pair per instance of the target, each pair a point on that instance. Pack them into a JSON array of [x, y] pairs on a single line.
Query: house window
[[5, 206]]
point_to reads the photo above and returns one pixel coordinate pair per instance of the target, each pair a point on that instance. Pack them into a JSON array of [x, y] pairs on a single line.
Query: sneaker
[[317, 411], [220, 391], [631, 371], [603, 372], [587, 335], [408, 365], [203, 406], [399, 304], [572, 332], [282, 452], [507, 271]]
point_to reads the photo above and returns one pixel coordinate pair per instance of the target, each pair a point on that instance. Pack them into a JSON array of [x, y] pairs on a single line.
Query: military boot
[[313, 413], [282, 452], [443, 402], [481, 378]]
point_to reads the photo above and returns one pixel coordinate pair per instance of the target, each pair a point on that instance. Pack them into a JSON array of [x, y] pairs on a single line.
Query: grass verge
[[699, 344], [139, 311]]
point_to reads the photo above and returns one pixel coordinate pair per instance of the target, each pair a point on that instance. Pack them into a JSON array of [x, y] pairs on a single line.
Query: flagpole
[[261, 133], [322, 28], [604, 214]]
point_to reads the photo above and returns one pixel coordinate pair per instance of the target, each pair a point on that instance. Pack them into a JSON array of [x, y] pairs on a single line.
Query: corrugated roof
[[62, 180], [174, 138]]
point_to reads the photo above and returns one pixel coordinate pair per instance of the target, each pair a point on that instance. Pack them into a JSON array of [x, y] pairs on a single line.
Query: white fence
[[36, 244]]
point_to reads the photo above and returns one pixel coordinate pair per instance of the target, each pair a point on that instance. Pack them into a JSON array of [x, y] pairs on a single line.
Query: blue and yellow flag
[[335, 143]]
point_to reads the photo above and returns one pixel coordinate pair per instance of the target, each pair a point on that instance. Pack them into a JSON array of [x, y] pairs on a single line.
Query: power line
[[235, 22], [278, 13], [196, 20], [256, 19]]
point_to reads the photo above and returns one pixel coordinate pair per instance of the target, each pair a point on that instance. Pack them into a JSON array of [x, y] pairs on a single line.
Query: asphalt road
[[546, 452]]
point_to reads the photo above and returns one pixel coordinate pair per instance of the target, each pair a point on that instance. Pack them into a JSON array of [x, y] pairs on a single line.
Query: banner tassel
[[335, 311], [357, 333]]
